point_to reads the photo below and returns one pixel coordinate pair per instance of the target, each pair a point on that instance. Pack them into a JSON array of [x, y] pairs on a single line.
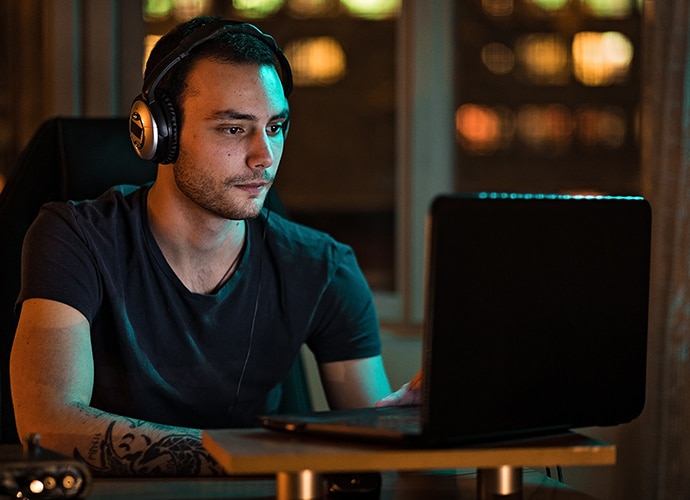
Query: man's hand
[[409, 393]]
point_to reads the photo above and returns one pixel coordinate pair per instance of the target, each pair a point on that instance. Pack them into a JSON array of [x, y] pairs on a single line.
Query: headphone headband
[[153, 121]]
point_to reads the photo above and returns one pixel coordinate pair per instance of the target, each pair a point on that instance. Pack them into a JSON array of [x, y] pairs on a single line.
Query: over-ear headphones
[[153, 123]]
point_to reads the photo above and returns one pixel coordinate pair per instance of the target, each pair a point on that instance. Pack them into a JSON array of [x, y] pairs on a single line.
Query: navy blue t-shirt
[[168, 355]]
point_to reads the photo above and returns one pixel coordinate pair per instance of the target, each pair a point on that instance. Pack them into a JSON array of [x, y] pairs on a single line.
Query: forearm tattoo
[[136, 454]]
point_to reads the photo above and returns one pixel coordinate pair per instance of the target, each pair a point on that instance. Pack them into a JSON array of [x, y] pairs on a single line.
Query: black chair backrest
[[73, 159]]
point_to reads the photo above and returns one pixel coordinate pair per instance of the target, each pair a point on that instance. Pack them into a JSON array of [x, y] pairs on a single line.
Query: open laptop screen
[[543, 298]]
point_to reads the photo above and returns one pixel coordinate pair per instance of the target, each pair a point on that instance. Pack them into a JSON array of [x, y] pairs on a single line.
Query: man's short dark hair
[[226, 46]]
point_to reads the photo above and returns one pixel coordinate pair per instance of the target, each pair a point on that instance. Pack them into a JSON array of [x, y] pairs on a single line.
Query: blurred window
[[547, 95]]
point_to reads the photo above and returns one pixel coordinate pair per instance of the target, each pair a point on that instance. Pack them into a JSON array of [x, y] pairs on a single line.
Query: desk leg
[[303, 485], [502, 482]]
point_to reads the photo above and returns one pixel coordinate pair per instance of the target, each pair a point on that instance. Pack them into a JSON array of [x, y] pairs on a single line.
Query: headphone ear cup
[[153, 129], [143, 129], [169, 143]]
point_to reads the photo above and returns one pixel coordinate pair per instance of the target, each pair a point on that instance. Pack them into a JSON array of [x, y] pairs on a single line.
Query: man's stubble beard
[[216, 199]]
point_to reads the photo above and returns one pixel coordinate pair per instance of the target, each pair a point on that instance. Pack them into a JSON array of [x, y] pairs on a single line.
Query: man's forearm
[[118, 446]]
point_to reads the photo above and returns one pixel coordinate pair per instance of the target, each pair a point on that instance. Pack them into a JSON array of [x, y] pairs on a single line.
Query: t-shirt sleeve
[[345, 324], [56, 262]]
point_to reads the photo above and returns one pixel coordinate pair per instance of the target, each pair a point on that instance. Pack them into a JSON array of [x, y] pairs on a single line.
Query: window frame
[[425, 143]]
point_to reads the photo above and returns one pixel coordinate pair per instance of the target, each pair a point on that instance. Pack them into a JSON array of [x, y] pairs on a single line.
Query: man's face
[[232, 137]]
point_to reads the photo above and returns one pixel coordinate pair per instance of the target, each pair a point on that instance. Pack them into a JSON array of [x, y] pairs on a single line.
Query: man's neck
[[203, 250]]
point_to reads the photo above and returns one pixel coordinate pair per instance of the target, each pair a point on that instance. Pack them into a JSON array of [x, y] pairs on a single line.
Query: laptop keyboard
[[403, 419]]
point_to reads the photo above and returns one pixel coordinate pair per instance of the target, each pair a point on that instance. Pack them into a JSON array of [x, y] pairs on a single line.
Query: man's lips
[[252, 186]]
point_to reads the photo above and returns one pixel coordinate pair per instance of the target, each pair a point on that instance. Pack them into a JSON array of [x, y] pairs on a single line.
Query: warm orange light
[[316, 61], [601, 59], [482, 130], [547, 129], [544, 58]]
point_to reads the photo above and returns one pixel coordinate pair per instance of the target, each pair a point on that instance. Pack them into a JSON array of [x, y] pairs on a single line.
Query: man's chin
[[253, 209], [259, 204]]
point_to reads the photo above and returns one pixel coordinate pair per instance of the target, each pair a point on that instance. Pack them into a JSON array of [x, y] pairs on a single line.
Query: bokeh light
[[547, 129], [543, 58], [316, 61], [372, 9], [498, 58], [483, 130], [601, 58], [257, 9]]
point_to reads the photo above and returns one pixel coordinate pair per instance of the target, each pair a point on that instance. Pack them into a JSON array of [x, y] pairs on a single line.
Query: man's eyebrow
[[231, 114]]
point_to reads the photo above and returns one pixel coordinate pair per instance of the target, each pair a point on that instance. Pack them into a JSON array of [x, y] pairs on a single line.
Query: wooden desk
[[298, 463]]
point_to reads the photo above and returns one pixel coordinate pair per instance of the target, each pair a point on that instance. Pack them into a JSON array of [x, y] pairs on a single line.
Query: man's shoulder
[[117, 199], [123, 196], [117, 204], [302, 249], [293, 235]]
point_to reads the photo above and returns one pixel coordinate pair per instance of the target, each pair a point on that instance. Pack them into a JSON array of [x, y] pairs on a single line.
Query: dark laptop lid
[[537, 312]]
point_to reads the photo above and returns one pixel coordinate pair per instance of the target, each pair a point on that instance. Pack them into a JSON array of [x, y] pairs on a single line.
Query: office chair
[[75, 159]]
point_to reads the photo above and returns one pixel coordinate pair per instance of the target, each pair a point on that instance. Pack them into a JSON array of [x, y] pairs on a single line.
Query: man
[[152, 313]]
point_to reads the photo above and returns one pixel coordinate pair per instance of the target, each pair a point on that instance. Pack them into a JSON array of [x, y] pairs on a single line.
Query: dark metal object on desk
[[35, 473], [362, 486]]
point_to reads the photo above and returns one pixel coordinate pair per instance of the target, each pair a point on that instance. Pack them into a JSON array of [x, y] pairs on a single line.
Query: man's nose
[[260, 153]]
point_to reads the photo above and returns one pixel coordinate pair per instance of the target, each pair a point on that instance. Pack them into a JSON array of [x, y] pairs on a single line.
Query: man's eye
[[276, 128], [231, 130]]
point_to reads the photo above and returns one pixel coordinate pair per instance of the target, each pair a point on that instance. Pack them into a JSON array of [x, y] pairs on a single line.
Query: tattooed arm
[[120, 446], [129, 447], [52, 380]]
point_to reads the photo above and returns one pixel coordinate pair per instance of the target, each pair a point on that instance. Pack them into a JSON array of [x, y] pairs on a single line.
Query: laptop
[[535, 322]]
